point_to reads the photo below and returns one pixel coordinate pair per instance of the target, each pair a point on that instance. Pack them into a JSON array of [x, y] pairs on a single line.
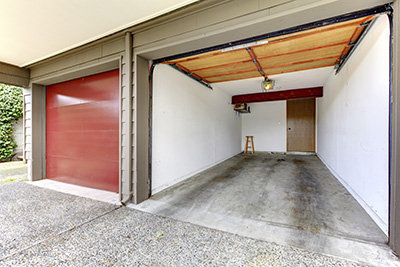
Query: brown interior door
[[301, 125]]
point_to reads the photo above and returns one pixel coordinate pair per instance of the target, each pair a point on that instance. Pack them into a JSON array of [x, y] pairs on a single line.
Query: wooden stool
[[249, 139]]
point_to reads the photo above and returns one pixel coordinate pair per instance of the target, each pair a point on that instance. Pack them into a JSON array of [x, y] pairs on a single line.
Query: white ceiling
[[286, 81], [34, 30]]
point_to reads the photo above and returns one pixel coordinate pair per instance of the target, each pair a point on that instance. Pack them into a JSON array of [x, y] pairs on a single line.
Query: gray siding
[[27, 125]]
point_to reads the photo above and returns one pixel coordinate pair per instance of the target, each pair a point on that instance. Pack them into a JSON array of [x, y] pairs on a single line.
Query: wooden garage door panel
[[82, 131], [301, 125]]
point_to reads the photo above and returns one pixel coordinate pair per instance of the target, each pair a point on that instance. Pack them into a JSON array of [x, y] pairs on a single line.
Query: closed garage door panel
[[82, 131]]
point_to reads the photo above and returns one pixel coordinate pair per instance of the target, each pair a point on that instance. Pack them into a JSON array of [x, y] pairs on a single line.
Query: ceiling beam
[[279, 95]]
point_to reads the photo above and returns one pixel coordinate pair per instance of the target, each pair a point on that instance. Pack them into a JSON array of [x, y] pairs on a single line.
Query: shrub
[[11, 109]]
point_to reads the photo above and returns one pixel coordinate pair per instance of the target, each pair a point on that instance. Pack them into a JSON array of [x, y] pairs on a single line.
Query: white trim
[[378, 220]]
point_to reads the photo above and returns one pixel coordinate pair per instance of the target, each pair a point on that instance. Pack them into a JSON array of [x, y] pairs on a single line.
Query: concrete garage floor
[[288, 199]]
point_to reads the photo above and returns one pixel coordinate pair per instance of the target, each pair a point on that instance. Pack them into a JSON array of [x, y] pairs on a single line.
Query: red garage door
[[82, 131]]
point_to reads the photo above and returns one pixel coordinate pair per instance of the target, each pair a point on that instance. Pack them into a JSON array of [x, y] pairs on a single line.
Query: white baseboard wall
[[360, 200]]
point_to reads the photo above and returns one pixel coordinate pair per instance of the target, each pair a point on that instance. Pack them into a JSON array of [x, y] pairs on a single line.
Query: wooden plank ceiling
[[315, 48]]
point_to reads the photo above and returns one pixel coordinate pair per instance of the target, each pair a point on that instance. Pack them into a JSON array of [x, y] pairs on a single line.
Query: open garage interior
[[339, 190]]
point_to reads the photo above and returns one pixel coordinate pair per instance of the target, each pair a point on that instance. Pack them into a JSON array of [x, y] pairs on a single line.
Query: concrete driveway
[[13, 171], [42, 227]]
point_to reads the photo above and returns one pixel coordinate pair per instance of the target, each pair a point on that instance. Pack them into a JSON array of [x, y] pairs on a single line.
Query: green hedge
[[11, 109]]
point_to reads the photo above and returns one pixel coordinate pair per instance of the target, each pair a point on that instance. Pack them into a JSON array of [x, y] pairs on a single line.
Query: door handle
[[290, 129]]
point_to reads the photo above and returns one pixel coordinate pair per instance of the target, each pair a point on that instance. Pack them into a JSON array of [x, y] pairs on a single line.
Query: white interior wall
[[353, 123], [194, 127], [267, 123]]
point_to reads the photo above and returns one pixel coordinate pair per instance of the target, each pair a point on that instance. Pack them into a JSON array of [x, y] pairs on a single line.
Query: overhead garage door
[[82, 131]]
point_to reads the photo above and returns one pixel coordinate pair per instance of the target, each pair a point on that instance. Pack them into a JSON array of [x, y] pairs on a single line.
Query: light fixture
[[267, 84]]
